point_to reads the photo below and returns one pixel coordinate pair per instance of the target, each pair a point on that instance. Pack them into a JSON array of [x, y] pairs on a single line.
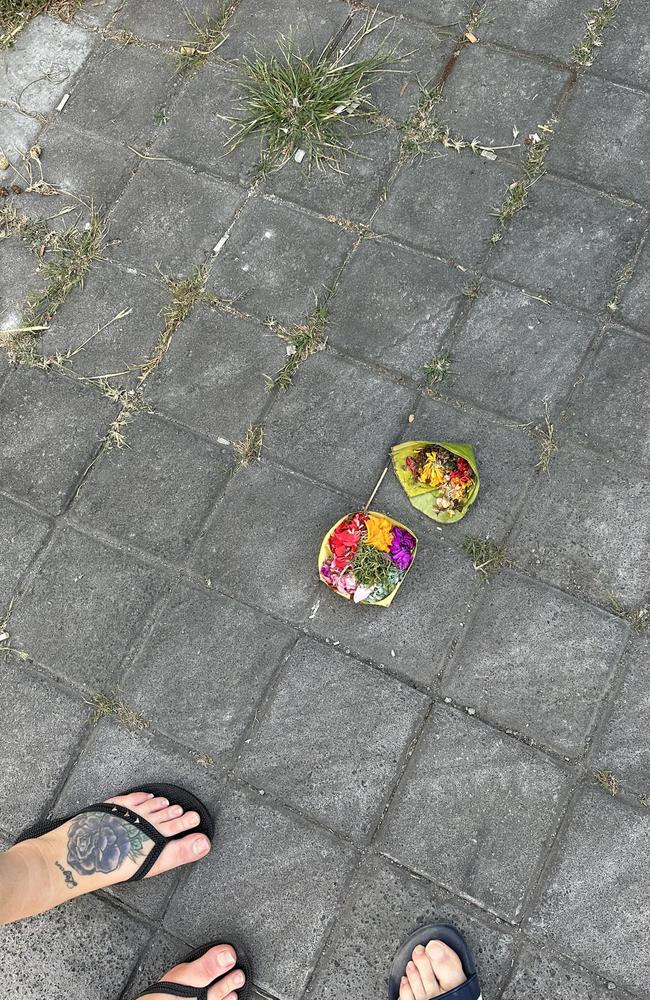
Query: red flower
[[345, 539]]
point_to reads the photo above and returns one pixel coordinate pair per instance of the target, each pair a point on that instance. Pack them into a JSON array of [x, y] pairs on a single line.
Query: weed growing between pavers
[[110, 704], [208, 35], [249, 449], [473, 287], [637, 618], [435, 371], [599, 18], [545, 435], [302, 340], [185, 294], [487, 555], [15, 14], [532, 167], [607, 780], [307, 106]]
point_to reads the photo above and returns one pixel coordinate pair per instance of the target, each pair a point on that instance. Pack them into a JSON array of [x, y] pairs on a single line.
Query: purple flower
[[401, 548]]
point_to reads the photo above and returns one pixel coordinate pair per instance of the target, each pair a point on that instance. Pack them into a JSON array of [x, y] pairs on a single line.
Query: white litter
[[62, 103], [299, 155], [220, 244], [223, 441]]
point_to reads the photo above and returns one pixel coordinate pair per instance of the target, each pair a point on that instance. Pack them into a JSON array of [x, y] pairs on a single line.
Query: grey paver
[[409, 302], [94, 168], [19, 278], [438, 594], [494, 92], [209, 644], [41, 65], [384, 905], [516, 354], [474, 811], [22, 534], [261, 504], [51, 430], [280, 881], [194, 132], [215, 374], [624, 57], [121, 343], [83, 608], [438, 12], [611, 407], [167, 25], [584, 527], [84, 949], [540, 976], [624, 747], [538, 662], [635, 297], [341, 413], [444, 204], [548, 28], [102, 101], [593, 236], [256, 28], [600, 893], [278, 261], [600, 138], [189, 473], [349, 726], [42, 728], [17, 133], [150, 235], [354, 192]]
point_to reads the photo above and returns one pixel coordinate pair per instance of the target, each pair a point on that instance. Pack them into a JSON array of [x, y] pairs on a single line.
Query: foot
[[95, 850], [218, 961], [432, 971]]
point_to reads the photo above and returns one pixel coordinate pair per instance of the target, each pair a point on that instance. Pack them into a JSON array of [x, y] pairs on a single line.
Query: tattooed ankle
[[67, 874]]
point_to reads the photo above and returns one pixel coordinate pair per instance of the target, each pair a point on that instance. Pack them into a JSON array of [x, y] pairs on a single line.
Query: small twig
[[374, 492]]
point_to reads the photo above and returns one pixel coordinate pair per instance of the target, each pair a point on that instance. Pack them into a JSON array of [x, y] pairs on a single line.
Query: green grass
[[15, 14], [311, 104], [109, 704], [598, 19], [533, 166], [435, 371], [638, 618], [302, 340], [209, 35], [487, 555]]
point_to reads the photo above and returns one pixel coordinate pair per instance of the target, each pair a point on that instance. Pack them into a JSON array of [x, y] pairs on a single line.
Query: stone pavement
[[370, 769]]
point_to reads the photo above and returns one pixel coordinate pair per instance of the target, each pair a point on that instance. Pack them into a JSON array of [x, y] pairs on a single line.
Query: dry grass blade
[[109, 704], [185, 294], [487, 555], [249, 449], [637, 618], [302, 340], [607, 780], [545, 434], [15, 14], [598, 19]]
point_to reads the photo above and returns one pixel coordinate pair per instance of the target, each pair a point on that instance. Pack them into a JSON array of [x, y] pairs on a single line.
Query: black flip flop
[[173, 793], [201, 992], [469, 990]]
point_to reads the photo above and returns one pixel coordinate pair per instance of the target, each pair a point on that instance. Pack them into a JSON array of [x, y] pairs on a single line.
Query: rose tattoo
[[99, 842]]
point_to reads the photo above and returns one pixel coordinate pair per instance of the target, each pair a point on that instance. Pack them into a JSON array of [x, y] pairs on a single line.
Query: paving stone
[[352, 193], [87, 165], [211, 644], [41, 65], [279, 881], [22, 534], [18, 132], [341, 413], [350, 729], [260, 504], [169, 24], [517, 354], [83, 609], [117, 498], [214, 376], [444, 204], [151, 235], [102, 101], [409, 302], [494, 91], [116, 759], [538, 662], [107, 292], [433, 604], [585, 528], [19, 278], [42, 726], [540, 976], [598, 888], [597, 109], [548, 28], [475, 811], [624, 746], [194, 132], [162, 954], [98, 13], [256, 27], [506, 457], [445, 13], [51, 430], [83, 950], [635, 296], [592, 235], [625, 54], [384, 905], [611, 407], [278, 261]]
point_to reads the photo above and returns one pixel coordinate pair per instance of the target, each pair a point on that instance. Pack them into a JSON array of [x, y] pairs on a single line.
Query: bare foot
[[432, 971], [215, 963]]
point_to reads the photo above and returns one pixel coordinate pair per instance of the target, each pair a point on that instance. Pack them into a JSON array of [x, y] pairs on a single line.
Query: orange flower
[[379, 532]]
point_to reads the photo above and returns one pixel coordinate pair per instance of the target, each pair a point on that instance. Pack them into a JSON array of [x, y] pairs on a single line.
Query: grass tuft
[[487, 555], [545, 434], [599, 18], [532, 167], [607, 780], [302, 340], [249, 448], [303, 105], [637, 618], [209, 35], [15, 14], [109, 704], [185, 294], [66, 259], [473, 287], [435, 371]]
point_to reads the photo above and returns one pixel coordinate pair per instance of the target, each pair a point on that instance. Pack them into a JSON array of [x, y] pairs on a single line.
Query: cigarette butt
[[62, 103]]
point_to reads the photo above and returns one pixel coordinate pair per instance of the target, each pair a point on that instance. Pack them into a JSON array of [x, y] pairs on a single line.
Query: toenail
[[238, 979], [200, 846], [435, 949], [419, 950], [178, 810], [225, 958]]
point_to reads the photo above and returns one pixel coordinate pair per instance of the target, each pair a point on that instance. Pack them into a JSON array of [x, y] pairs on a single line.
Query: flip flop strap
[[140, 823], [469, 990], [177, 990]]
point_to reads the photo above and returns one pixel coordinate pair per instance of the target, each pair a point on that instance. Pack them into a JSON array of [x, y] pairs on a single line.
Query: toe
[[132, 800], [422, 963], [227, 986], [181, 852], [173, 826], [217, 961], [447, 966], [415, 982], [405, 991], [164, 815], [153, 806]]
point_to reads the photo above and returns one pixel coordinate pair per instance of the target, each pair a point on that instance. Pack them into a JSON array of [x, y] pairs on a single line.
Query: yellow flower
[[379, 532], [431, 473]]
